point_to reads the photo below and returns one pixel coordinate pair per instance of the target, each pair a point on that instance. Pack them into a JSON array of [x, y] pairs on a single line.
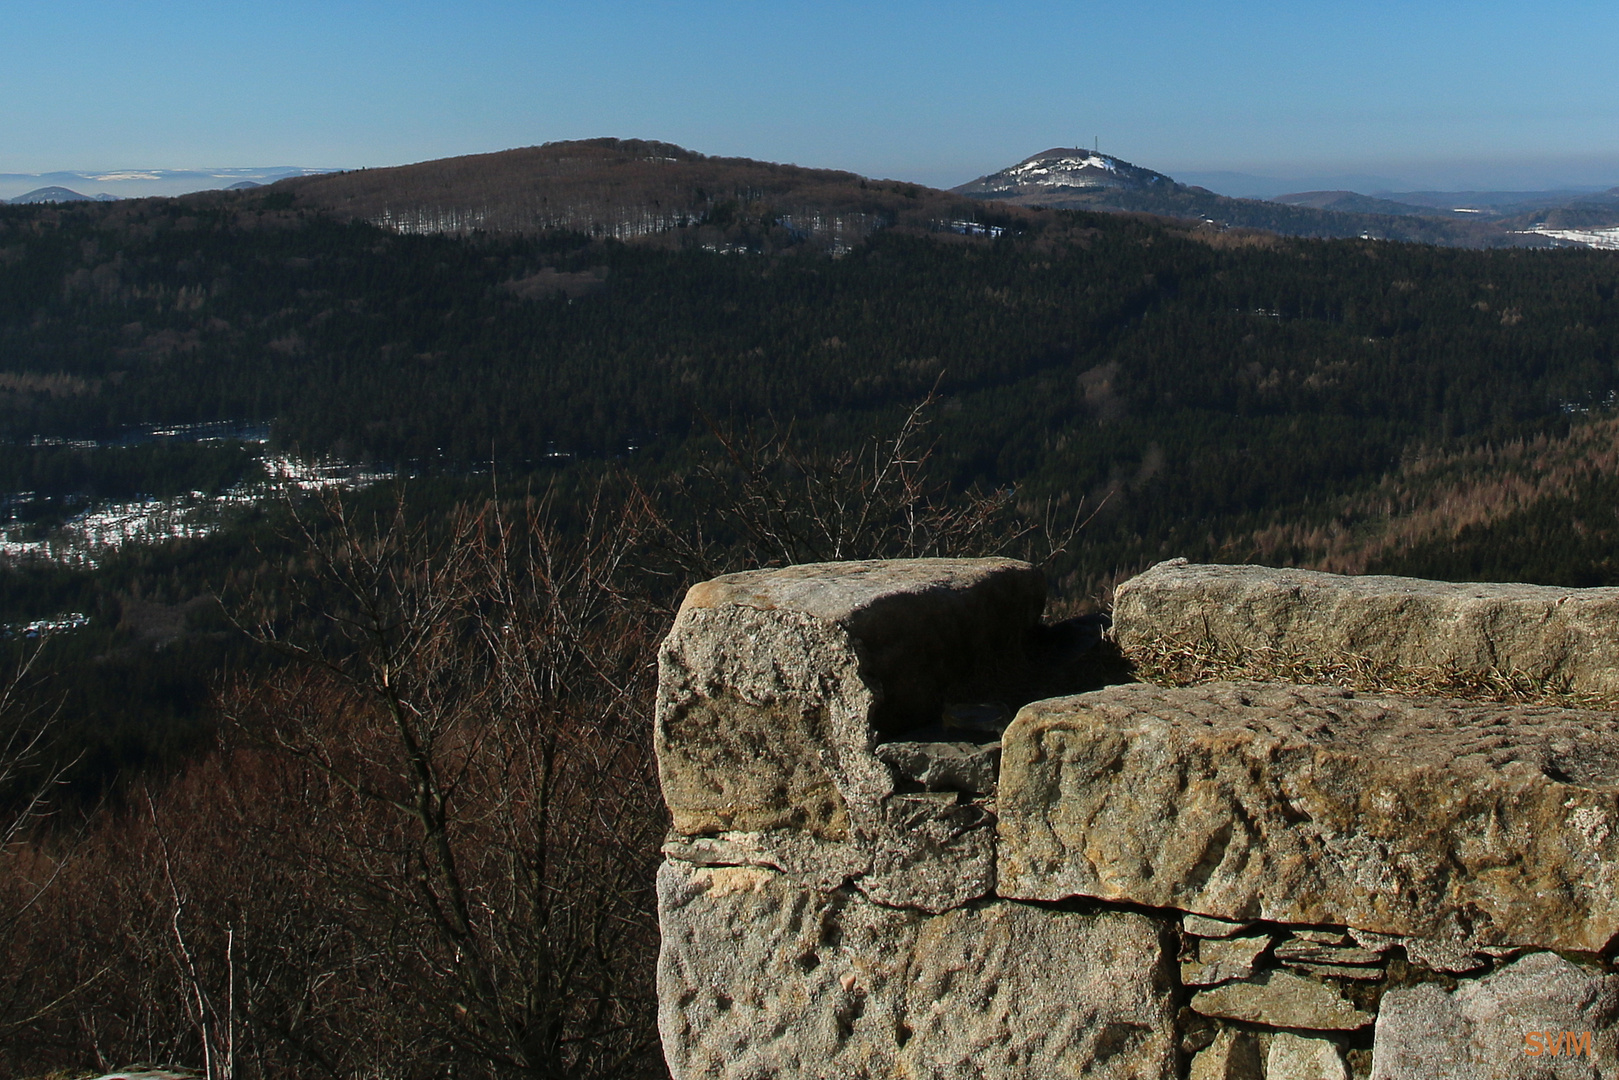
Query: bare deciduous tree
[[480, 697], [30, 768]]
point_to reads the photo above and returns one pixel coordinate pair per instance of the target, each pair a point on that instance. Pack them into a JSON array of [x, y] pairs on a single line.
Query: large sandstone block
[[1539, 1017], [759, 977], [1419, 817], [1563, 639], [775, 686]]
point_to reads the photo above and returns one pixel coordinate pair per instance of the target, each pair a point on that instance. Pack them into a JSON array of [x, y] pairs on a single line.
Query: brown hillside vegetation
[[626, 189], [1435, 496], [423, 844], [422, 847]]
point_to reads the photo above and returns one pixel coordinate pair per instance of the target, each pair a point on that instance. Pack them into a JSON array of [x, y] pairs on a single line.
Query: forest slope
[[624, 189], [632, 189], [1205, 380]]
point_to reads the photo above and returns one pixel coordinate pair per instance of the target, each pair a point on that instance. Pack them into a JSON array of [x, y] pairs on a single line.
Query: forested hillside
[[624, 189], [1204, 394], [1211, 383]]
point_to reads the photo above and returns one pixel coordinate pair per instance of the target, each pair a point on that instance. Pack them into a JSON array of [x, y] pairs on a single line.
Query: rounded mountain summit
[[1055, 176]]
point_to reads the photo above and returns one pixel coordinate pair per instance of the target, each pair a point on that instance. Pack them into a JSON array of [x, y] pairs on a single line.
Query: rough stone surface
[[1426, 818], [1295, 1057], [1234, 1055], [774, 685], [1480, 1029], [1367, 973], [809, 862], [761, 978], [1449, 954], [928, 851], [933, 853], [1559, 638], [945, 766], [1282, 999], [1314, 953], [1223, 960], [1203, 926]]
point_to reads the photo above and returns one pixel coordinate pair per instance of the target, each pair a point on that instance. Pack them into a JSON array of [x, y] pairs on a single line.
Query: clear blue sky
[[936, 92]]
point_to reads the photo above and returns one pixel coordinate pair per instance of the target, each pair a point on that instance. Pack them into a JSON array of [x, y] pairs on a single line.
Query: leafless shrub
[[30, 769], [479, 705], [763, 499]]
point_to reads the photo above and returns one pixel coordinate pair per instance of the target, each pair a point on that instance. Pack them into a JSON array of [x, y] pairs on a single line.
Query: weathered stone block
[[1222, 960], [1506, 1025], [1203, 926], [1282, 999], [1296, 1057], [1451, 955], [1565, 639], [931, 853], [775, 685], [946, 766], [1234, 1055], [1428, 818], [759, 977], [1355, 972], [928, 852], [1312, 952]]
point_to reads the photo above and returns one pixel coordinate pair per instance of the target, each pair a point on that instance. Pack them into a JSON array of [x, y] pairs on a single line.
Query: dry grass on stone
[[1209, 661]]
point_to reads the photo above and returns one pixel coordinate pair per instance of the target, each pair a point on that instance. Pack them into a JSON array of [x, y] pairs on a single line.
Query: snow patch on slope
[[1060, 170], [1604, 239]]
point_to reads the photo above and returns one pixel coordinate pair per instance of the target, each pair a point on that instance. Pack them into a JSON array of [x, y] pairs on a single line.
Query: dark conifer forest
[[1097, 391]]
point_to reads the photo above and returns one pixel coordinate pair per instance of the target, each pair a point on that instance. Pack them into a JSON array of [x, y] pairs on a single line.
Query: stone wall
[[915, 836]]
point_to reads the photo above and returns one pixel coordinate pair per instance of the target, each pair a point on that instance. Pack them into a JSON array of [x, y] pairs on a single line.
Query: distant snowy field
[[1606, 239], [90, 536]]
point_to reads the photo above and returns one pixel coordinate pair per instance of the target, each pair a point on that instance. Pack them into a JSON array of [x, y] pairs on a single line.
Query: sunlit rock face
[[775, 687], [1537, 635], [830, 984], [1417, 817]]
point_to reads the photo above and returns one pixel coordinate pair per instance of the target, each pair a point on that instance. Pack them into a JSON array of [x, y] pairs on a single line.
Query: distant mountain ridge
[[629, 189], [1352, 202], [56, 194], [648, 191], [657, 192], [1491, 204], [144, 183]]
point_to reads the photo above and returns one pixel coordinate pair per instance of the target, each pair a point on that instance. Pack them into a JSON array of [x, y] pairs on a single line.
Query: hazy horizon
[[1494, 95], [140, 182]]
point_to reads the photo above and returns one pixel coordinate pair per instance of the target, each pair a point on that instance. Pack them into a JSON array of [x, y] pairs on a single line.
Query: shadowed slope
[[626, 189]]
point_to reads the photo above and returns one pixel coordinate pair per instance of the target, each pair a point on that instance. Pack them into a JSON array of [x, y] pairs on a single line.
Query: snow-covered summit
[[1064, 168]]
